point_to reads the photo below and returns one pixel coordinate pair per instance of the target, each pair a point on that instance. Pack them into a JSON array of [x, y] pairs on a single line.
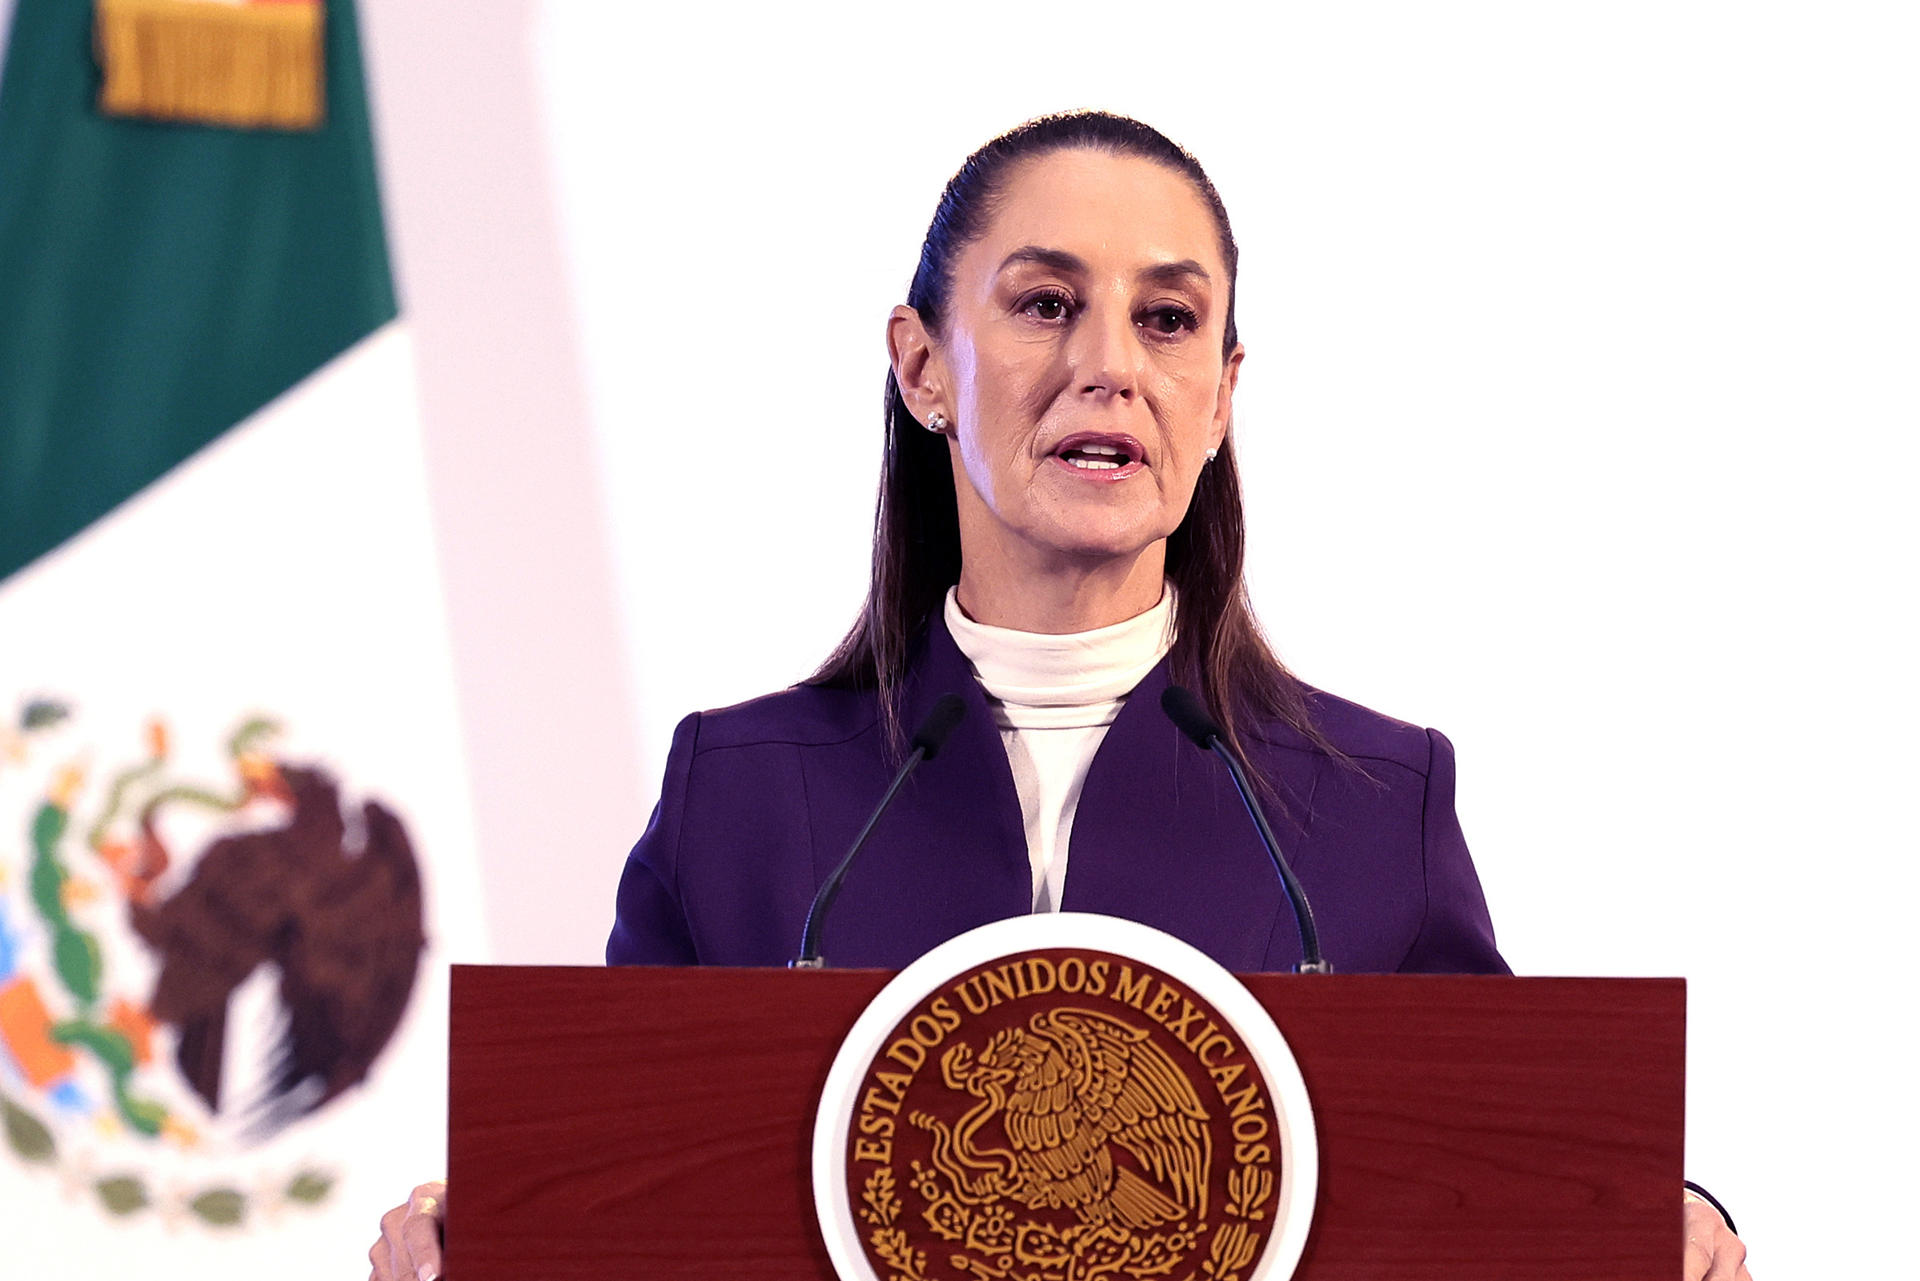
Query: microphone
[[1190, 717], [948, 711]]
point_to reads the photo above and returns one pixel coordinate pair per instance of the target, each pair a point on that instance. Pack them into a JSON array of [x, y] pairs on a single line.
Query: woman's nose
[[1106, 353]]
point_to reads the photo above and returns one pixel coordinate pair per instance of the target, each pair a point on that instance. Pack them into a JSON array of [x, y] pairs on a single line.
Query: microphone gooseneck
[[1189, 716], [948, 711]]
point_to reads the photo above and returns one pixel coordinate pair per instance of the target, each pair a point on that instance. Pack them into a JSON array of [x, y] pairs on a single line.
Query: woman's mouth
[[1100, 455]]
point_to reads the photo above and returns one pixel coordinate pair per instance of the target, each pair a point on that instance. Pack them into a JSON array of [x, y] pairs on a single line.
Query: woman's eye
[[1171, 320], [1049, 307]]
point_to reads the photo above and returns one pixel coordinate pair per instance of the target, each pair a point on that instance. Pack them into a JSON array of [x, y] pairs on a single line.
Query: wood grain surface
[[657, 1123]]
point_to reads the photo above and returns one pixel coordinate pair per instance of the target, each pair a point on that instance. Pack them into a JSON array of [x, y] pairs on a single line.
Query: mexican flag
[[235, 835]]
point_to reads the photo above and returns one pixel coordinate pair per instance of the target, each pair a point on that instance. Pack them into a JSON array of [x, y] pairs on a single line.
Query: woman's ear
[[918, 369], [1223, 403]]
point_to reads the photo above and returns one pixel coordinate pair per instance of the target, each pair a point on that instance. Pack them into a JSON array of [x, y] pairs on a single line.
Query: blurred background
[[1581, 347]]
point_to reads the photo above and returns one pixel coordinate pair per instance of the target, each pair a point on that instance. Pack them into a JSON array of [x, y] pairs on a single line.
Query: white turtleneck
[[1053, 698]]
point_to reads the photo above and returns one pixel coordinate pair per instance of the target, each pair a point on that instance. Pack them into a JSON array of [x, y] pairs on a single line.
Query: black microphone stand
[[1187, 713], [947, 712]]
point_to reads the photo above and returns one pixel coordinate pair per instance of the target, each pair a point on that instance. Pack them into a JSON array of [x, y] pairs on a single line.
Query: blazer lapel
[[1160, 836], [952, 852]]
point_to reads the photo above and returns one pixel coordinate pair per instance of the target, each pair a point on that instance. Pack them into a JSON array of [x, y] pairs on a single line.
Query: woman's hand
[[1713, 1253], [409, 1244]]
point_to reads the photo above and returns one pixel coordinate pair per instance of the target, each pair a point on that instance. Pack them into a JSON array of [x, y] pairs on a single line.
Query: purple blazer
[[761, 800]]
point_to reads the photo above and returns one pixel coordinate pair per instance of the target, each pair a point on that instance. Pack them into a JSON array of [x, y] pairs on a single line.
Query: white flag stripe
[[289, 571]]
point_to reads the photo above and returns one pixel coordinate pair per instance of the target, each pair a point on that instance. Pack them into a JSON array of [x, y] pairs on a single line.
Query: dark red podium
[[657, 1123]]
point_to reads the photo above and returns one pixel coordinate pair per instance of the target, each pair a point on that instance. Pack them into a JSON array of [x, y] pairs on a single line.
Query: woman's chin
[[1096, 543]]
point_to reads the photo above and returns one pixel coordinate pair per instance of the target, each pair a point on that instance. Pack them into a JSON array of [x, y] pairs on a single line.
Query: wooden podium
[[657, 1123]]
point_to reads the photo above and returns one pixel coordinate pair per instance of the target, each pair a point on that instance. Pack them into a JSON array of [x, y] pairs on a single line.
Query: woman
[[1059, 457], [1059, 538]]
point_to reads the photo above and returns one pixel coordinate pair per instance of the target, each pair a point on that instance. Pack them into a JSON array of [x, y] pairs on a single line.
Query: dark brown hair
[[1218, 649]]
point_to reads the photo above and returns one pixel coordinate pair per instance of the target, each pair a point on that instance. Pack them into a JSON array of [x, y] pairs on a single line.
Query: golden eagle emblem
[[1061, 1115], [1097, 1120]]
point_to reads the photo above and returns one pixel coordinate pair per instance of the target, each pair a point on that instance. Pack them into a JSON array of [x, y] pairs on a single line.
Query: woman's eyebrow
[[1168, 273], [1162, 273], [1057, 259]]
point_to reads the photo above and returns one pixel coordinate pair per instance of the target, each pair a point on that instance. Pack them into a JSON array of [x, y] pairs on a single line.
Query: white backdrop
[[1578, 420]]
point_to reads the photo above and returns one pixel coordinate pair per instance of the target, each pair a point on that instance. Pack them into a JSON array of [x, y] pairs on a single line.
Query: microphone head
[[948, 711], [1189, 715]]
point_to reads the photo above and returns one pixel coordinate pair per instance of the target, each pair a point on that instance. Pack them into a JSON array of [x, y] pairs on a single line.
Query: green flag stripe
[[160, 282]]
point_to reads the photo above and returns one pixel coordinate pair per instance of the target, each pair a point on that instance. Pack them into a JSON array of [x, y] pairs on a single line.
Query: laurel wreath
[[124, 1195], [1235, 1244], [890, 1243]]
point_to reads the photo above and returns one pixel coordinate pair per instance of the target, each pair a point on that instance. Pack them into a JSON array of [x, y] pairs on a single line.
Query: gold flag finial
[[251, 64]]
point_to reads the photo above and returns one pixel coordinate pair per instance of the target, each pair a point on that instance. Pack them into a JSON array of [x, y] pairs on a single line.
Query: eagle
[[333, 907], [1097, 1120]]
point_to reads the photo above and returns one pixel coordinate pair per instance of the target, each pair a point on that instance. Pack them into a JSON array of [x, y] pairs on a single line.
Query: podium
[[658, 1123]]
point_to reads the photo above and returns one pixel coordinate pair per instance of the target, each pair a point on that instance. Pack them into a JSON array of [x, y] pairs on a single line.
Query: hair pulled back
[[1218, 648]]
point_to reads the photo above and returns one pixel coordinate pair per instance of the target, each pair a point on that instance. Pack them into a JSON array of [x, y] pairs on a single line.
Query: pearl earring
[[937, 423], [1212, 454]]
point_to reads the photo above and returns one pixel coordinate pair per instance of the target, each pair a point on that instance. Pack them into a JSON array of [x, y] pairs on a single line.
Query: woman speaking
[[1059, 539]]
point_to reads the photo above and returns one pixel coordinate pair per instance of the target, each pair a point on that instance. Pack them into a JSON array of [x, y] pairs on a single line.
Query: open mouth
[[1108, 457]]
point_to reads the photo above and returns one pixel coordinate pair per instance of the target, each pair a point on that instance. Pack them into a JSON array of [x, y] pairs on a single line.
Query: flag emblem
[[195, 955]]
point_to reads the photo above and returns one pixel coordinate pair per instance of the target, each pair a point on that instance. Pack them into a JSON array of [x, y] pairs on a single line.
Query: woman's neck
[[1073, 596]]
